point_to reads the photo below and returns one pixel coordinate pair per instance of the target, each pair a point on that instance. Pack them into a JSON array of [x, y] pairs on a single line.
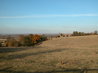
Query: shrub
[[43, 38], [30, 40], [11, 43], [0, 44], [76, 33]]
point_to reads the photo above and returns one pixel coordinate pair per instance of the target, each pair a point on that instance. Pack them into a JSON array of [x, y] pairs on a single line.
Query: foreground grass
[[59, 55]]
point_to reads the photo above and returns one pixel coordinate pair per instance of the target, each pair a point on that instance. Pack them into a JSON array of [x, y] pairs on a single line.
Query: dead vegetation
[[63, 53]]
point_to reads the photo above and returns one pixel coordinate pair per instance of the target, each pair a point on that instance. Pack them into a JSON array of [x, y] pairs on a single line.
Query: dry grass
[[56, 54]]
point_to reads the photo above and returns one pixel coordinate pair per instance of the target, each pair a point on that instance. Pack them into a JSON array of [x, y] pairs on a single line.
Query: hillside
[[52, 55]]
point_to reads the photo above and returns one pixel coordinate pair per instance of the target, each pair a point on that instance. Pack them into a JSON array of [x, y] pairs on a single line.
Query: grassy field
[[53, 56]]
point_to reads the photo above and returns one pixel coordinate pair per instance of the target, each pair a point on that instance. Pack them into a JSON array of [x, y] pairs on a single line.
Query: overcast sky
[[48, 16]]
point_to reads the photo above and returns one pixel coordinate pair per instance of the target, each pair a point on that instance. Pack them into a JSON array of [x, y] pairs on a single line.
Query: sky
[[48, 16]]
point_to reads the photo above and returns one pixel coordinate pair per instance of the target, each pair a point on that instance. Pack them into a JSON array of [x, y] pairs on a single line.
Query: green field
[[59, 55]]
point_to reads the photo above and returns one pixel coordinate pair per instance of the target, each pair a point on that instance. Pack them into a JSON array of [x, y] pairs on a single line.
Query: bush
[[95, 32], [12, 43], [30, 40], [0, 44], [43, 38], [76, 33]]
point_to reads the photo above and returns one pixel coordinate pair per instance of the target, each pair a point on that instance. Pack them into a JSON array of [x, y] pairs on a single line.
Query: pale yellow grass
[[59, 53]]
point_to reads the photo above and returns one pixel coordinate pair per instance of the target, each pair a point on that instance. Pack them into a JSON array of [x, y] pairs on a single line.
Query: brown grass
[[56, 54]]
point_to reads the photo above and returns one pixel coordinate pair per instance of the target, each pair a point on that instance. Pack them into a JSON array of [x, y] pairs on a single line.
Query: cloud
[[51, 15]]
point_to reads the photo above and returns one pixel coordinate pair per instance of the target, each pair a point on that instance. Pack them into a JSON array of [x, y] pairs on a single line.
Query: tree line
[[76, 33], [24, 40]]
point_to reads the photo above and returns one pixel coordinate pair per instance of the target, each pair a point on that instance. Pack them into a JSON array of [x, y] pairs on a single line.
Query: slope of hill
[[56, 54]]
